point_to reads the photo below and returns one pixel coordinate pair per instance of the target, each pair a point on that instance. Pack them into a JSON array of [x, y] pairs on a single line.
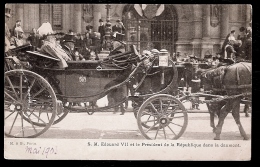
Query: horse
[[229, 80]]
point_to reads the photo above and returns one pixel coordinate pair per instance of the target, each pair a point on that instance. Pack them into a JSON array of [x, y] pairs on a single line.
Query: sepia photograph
[[128, 81]]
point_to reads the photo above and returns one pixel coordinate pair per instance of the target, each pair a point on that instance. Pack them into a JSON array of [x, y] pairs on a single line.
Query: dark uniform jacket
[[101, 30], [120, 29]]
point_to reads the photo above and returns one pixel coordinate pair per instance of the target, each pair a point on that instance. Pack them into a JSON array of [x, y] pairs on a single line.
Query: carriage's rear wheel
[[162, 116], [30, 104]]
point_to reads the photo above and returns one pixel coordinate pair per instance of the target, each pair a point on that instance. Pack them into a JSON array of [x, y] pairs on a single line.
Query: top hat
[[69, 37], [100, 20], [8, 12]]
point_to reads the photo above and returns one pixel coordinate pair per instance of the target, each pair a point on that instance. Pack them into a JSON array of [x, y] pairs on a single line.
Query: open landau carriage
[[37, 98]]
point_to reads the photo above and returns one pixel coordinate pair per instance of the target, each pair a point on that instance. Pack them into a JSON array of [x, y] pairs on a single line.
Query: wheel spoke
[[161, 105], [11, 97], [30, 88], [10, 114], [154, 108], [173, 111], [22, 123], [164, 133], [176, 124], [157, 131], [148, 113], [145, 122], [21, 87], [10, 83], [151, 127], [36, 94], [167, 106], [48, 116], [39, 118], [31, 122], [13, 123], [176, 117], [40, 113], [171, 129]]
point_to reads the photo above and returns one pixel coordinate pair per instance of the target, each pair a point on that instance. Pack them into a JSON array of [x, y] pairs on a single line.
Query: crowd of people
[[77, 46]]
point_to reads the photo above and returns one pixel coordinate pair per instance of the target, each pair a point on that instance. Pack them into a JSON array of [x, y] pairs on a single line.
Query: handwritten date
[[45, 151]]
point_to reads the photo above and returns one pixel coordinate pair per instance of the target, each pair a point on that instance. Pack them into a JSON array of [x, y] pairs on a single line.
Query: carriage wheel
[[162, 116], [29, 104]]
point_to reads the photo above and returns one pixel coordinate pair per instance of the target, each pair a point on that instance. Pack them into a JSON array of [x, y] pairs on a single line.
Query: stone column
[[196, 43], [248, 14], [206, 22], [97, 16], [207, 44], [19, 12], [224, 25], [77, 18]]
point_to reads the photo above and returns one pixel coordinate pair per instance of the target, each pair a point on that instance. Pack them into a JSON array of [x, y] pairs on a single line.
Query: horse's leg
[[122, 108], [212, 115], [246, 108], [236, 115], [222, 115]]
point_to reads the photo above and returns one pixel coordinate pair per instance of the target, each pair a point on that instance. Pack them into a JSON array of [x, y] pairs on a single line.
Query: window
[[44, 13], [57, 16]]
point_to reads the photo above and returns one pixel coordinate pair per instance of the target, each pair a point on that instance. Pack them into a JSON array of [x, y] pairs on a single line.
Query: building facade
[[186, 28]]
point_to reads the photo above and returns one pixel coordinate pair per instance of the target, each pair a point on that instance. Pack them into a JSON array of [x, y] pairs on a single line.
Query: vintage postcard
[[128, 81]]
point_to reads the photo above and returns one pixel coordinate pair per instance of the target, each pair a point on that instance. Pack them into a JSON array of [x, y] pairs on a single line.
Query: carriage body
[[81, 81], [43, 90]]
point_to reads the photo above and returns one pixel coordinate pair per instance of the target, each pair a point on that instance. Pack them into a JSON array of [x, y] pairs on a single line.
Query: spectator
[[242, 34], [101, 30], [18, 39], [17, 24], [119, 27], [230, 40]]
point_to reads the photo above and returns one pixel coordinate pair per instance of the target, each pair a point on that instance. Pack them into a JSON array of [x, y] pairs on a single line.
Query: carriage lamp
[[163, 58], [163, 62]]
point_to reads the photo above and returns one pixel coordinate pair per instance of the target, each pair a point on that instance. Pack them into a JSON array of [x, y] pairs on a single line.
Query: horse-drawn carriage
[[41, 96]]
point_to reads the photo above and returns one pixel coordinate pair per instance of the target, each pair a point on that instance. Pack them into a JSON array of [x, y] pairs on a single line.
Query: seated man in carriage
[[68, 45]]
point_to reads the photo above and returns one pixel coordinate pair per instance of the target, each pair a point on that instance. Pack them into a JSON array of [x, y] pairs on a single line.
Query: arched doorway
[[159, 32]]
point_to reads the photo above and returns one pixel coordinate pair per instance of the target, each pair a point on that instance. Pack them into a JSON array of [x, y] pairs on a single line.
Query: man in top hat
[[68, 45], [119, 27], [7, 32], [34, 38], [101, 30]]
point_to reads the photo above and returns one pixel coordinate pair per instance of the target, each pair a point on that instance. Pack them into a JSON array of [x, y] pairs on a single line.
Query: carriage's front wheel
[[30, 104], [162, 116]]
